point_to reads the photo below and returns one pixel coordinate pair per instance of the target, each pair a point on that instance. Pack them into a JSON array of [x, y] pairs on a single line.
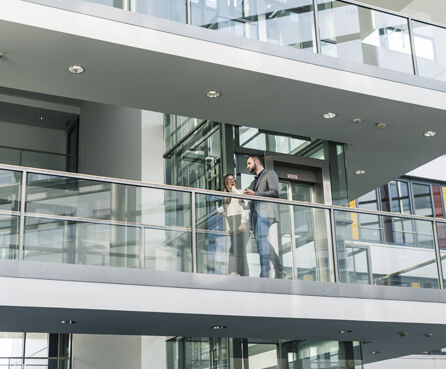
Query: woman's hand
[[242, 227]]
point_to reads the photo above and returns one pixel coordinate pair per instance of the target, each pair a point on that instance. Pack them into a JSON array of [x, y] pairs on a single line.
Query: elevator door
[[296, 229]]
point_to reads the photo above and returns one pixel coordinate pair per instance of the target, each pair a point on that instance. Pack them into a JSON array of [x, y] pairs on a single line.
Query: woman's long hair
[[225, 187]]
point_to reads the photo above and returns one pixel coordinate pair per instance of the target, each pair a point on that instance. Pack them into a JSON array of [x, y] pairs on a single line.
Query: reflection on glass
[[36, 345], [391, 261], [430, 50], [253, 138], [168, 250], [71, 242], [177, 127], [363, 35], [74, 197], [10, 190], [441, 234], [11, 345], [422, 199], [168, 9], [369, 228], [9, 236], [304, 234], [283, 22]]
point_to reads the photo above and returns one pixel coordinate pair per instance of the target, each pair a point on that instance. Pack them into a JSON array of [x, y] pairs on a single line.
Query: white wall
[[30, 137], [110, 141], [106, 352], [435, 170], [152, 147], [153, 352]]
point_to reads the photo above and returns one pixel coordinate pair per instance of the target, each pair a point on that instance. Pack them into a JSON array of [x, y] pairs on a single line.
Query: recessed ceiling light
[[375, 352], [403, 334], [360, 171], [428, 335], [357, 120], [68, 322], [41, 117], [218, 327], [76, 69], [430, 133], [213, 94], [344, 331], [1, 55], [329, 115], [381, 125]]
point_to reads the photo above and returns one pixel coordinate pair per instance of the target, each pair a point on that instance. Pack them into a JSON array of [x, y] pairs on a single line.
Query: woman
[[238, 221]]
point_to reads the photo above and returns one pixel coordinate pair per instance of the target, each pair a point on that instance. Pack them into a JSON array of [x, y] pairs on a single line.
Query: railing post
[[334, 247], [194, 233], [438, 255], [316, 28], [142, 255], [412, 46], [22, 214], [188, 12]]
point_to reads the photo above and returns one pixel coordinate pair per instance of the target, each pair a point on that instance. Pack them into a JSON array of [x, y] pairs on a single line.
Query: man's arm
[[272, 185]]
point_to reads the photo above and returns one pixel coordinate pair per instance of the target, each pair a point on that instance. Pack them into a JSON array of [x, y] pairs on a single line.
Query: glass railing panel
[[9, 236], [402, 254], [174, 10], [287, 22], [72, 242], [168, 249], [441, 237], [312, 242], [10, 190], [42, 363], [364, 35], [56, 195], [430, 50]]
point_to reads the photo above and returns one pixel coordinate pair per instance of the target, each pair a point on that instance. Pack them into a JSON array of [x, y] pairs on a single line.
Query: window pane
[[422, 199]]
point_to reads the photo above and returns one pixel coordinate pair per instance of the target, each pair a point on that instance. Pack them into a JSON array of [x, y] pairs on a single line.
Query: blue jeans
[[260, 227]]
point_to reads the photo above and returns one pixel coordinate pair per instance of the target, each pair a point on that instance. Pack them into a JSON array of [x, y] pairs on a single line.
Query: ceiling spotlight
[[360, 171], [329, 115], [430, 133], [344, 331], [381, 125], [68, 322], [357, 120], [428, 335], [1, 55], [76, 69], [218, 327], [41, 117], [213, 94], [375, 352], [403, 334]]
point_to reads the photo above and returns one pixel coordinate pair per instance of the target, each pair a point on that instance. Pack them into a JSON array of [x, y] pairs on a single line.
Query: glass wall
[[225, 353]]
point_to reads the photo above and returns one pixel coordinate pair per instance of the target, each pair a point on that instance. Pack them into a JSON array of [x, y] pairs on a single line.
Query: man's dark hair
[[259, 158]]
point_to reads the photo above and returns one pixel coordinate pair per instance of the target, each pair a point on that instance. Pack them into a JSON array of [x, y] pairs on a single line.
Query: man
[[264, 214]]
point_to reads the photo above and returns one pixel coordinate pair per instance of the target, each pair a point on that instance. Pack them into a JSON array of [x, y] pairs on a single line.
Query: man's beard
[[253, 169]]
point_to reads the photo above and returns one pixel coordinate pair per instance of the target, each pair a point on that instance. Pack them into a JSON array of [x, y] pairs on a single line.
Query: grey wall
[[152, 146], [110, 141], [106, 352], [29, 137]]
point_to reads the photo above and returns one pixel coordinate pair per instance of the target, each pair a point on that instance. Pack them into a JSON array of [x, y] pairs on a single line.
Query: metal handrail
[[195, 191]]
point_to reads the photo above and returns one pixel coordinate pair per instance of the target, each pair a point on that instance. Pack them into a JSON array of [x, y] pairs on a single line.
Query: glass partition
[[9, 237], [286, 22], [403, 256], [10, 190], [174, 10], [430, 50], [364, 35], [441, 236]]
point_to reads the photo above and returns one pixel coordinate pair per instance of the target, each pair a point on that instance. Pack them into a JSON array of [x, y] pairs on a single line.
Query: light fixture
[[41, 117], [381, 125], [360, 171], [429, 133], [344, 331], [1, 55], [428, 335], [357, 120], [76, 69], [375, 352], [68, 322], [329, 115], [213, 94], [218, 327], [403, 334]]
